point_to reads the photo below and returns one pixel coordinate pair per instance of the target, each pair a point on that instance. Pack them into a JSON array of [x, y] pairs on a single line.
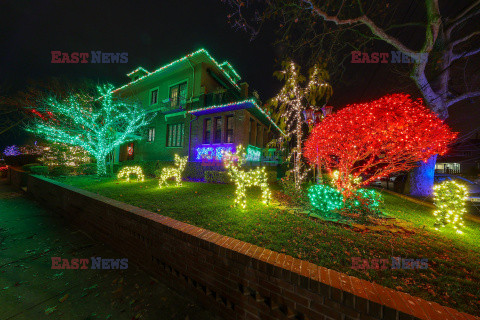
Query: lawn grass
[[453, 270]]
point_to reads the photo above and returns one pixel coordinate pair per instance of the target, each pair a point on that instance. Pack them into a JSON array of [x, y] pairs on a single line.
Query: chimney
[[244, 89]]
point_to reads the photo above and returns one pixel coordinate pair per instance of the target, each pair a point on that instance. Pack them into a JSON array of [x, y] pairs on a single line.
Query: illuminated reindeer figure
[[172, 172], [244, 179], [126, 171]]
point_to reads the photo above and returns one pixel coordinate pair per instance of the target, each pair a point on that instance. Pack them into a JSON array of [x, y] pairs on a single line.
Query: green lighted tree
[[98, 125]]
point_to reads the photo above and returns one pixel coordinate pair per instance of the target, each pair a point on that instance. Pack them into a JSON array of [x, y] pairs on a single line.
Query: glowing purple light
[[12, 151], [213, 152]]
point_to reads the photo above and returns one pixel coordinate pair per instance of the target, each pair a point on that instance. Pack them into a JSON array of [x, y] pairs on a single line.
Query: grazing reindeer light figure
[[173, 172], [126, 171], [244, 179]]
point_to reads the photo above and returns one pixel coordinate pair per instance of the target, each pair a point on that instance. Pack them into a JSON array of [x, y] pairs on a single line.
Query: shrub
[[87, 168], [297, 195], [363, 203], [449, 197], [272, 176], [324, 198], [28, 167], [217, 177], [60, 171], [40, 170]]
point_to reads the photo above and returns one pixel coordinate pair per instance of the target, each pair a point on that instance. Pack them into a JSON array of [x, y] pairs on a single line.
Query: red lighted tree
[[376, 139]]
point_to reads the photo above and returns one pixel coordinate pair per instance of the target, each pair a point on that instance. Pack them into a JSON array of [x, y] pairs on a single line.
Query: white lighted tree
[[289, 106], [98, 125]]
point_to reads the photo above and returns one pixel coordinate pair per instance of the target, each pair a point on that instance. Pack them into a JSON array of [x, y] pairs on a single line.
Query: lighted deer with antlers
[[244, 179], [174, 172]]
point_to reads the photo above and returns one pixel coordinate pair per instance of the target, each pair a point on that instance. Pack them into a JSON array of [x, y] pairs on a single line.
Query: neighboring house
[[202, 110], [463, 157]]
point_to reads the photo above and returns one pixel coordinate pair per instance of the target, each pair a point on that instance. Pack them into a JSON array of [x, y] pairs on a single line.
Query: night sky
[[156, 33]]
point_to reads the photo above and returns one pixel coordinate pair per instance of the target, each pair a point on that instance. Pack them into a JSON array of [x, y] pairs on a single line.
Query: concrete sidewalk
[[30, 289]]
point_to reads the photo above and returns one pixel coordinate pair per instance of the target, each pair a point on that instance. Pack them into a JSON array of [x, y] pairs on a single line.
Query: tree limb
[[463, 15], [457, 42], [465, 54], [376, 30], [463, 97]]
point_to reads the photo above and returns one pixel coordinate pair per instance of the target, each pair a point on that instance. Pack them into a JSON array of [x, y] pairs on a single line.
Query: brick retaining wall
[[235, 279]]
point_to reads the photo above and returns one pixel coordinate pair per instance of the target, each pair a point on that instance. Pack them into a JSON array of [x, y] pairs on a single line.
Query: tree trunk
[[101, 166], [421, 178]]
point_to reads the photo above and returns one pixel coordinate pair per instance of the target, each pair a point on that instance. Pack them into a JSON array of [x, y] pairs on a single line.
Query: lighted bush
[[329, 202], [363, 203], [450, 197], [325, 198]]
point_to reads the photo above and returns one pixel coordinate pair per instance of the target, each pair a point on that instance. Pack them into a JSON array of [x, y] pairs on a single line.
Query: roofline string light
[[178, 61], [252, 101]]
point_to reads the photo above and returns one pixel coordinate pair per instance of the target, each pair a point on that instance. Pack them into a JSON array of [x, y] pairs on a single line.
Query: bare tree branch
[[376, 30], [465, 54], [457, 42], [463, 97], [463, 15]]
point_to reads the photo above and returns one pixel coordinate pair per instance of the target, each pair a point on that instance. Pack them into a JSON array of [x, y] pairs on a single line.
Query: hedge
[[40, 170]]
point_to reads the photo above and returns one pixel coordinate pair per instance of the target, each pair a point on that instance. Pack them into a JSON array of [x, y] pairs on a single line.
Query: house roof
[[249, 104], [224, 68]]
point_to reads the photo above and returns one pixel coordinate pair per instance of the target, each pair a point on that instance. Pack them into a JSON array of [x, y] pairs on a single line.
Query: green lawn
[[451, 279]]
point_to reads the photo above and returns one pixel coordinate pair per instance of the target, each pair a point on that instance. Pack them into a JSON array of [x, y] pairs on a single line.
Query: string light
[[193, 54], [325, 198], [212, 152], [238, 103], [98, 126], [376, 139], [127, 171], [63, 154], [172, 172], [253, 153], [450, 197], [291, 99], [244, 179], [12, 151]]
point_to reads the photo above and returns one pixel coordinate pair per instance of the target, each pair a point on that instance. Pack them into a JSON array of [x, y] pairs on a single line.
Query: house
[[462, 158], [202, 110]]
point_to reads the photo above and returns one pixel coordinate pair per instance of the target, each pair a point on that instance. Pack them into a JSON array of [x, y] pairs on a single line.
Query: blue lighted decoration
[[253, 153], [12, 151], [213, 153]]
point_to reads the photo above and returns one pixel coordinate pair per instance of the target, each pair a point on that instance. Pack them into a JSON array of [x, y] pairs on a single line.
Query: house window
[[154, 96], [218, 130], [229, 135], [175, 135], [130, 151], [151, 135], [178, 95], [206, 130]]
